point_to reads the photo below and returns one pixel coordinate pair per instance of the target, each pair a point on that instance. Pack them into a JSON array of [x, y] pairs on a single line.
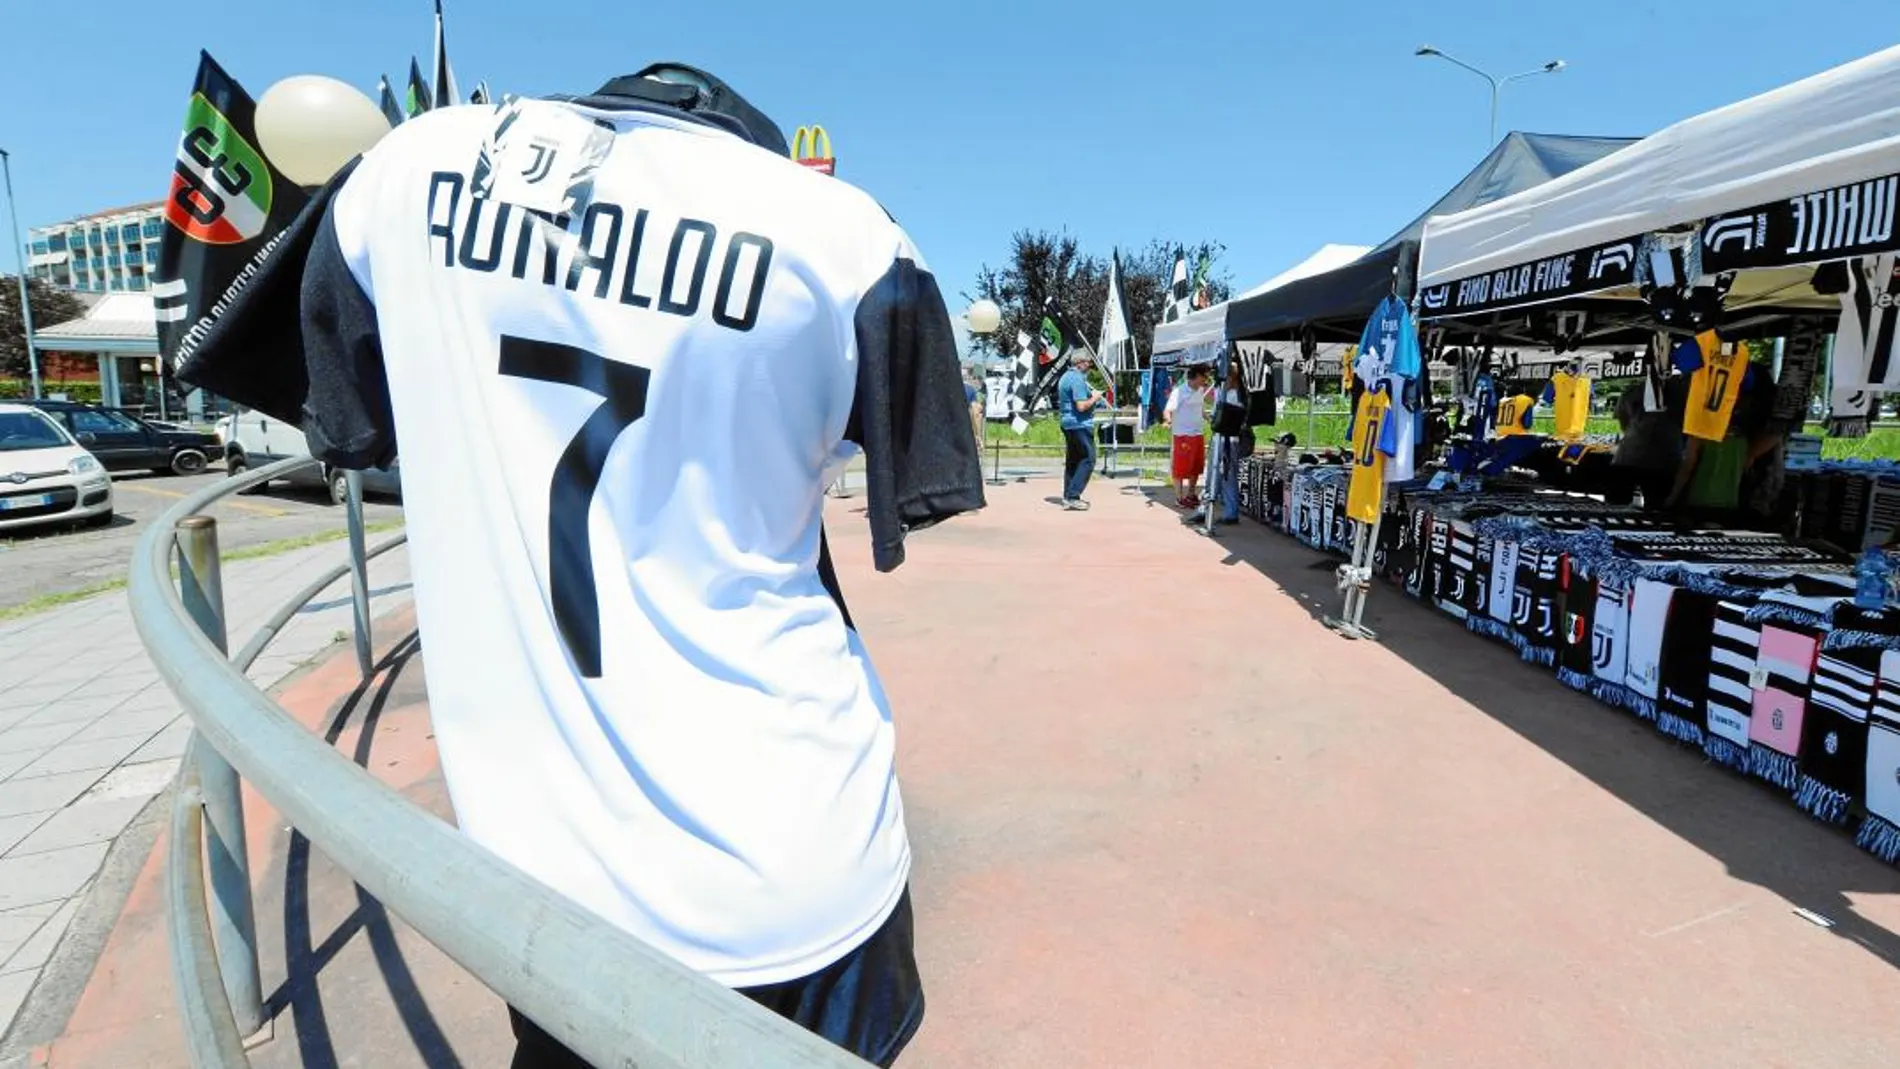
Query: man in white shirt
[[1186, 415], [625, 344]]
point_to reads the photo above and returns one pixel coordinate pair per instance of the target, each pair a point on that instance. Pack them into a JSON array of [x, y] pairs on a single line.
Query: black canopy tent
[[1336, 304]]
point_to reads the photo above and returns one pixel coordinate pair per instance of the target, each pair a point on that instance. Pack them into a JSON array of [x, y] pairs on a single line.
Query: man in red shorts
[[1187, 415]]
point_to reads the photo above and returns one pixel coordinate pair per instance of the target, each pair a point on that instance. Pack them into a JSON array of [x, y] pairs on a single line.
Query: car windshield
[[29, 430]]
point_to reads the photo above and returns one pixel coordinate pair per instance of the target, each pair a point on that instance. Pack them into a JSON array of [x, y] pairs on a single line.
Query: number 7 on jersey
[[623, 392]]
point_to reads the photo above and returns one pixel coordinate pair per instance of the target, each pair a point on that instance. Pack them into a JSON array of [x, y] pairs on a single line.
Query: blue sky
[[1273, 127]]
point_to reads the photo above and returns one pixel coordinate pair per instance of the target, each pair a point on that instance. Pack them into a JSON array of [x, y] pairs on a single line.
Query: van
[[254, 440]]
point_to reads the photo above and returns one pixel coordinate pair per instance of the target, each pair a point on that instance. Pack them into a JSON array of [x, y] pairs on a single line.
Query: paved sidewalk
[[89, 736], [1150, 836]]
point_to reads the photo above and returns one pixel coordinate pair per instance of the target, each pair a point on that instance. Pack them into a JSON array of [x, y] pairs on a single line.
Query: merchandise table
[[1745, 644]]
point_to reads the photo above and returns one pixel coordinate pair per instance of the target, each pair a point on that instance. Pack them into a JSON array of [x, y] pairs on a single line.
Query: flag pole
[[1054, 311]]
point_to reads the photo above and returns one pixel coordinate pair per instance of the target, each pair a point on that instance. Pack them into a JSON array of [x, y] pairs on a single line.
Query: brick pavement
[[1161, 817], [89, 736]]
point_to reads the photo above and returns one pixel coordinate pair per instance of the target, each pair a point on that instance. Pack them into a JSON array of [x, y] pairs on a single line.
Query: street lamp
[[26, 303], [984, 318], [1497, 83]]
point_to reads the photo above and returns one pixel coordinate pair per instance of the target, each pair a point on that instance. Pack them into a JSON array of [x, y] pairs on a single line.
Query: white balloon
[[985, 317], [309, 126]]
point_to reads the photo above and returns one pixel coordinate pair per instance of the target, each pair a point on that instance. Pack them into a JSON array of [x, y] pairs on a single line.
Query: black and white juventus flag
[[1256, 365], [1800, 360], [1178, 296], [1022, 382], [1863, 365]]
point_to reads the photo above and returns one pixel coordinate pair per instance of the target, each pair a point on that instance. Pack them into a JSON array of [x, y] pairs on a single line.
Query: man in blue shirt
[[1075, 403]]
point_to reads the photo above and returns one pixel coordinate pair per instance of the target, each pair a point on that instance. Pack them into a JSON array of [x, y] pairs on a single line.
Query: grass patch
[[64, 597], [289, 545], [263, 549]]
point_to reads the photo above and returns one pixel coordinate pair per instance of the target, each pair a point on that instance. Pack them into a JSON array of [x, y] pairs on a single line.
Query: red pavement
[[1162, 817]]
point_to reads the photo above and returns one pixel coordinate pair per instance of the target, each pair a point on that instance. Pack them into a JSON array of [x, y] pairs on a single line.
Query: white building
[[108, 252], [119, 336]]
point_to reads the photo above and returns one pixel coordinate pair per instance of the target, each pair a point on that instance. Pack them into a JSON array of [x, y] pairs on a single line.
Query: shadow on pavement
[[1751, 828], [306, 960]]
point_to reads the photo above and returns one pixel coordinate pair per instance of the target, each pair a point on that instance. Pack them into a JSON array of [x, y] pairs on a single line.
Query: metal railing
[[606, 995]]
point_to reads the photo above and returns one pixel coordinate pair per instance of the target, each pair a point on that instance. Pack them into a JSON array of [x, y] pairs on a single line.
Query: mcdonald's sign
[[811, 147]]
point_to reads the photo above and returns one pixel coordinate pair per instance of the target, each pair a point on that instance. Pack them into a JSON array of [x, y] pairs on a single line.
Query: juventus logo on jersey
[[541, 157], [542, 162]]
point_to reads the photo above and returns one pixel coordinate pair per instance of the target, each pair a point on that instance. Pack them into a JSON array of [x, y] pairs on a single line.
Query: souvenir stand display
[[1776, 651]]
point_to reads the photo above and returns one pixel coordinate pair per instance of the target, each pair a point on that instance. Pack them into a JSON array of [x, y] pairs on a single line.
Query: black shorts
[[869, 1002]]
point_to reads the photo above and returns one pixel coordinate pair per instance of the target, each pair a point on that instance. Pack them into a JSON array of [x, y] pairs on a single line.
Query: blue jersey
[[1389, 334], [1389, 348], [1071, 390]]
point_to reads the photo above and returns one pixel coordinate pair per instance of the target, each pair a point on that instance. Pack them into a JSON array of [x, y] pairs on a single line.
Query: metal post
[[201, 586], [26, 302], [359, 571], [1495, 90], [1210, 498]]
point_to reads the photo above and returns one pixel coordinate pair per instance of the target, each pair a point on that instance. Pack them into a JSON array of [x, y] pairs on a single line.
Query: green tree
[[50, 305], [1042, 264]]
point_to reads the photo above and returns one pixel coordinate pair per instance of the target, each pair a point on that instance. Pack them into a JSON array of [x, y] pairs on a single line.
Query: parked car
[[124, 442], [253, 440], [45, 476]]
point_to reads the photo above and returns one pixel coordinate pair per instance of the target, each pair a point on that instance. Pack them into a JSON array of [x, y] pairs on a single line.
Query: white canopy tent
[[1802, 174], [1205, 331]]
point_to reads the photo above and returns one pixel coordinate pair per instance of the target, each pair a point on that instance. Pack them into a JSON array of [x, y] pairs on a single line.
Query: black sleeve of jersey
[[253, 353], [909, 416], [347, 415]]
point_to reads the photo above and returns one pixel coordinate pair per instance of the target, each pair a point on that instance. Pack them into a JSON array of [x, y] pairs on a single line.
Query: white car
[[253, 439], [46, 476]]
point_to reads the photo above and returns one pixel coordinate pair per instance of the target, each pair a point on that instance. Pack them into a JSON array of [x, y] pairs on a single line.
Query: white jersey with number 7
[[623, 354]]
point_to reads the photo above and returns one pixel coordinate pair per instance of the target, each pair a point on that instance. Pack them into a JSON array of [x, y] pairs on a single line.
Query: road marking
[[242, 506]]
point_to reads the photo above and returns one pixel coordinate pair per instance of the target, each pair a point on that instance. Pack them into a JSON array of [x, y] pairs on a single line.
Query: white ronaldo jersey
[[623, 354]]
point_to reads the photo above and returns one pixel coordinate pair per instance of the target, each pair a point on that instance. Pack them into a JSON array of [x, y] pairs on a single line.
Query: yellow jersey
[[1366, 494], [1571, 395], [1514, 415], [1714, 388]]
